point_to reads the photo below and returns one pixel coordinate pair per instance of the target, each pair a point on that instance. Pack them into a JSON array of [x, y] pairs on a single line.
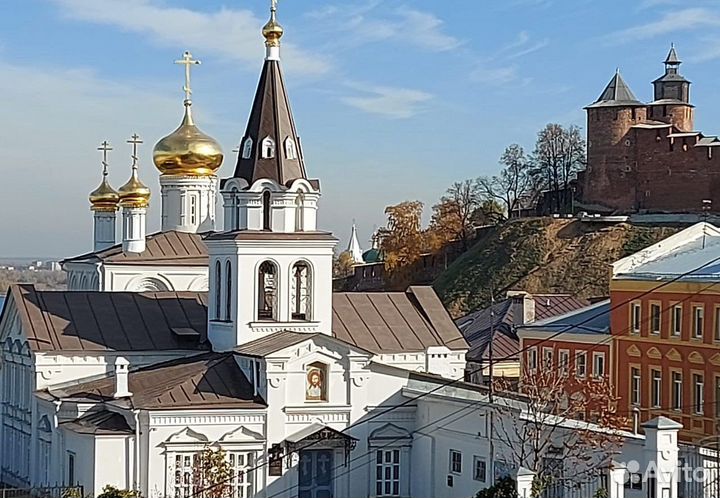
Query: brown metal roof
[[268, 235], [99, 423], [169, 248], [210, 380], [273, 342], [111, 321]]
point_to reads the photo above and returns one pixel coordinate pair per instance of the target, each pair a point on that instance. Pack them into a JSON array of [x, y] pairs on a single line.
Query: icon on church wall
[[315, 389]]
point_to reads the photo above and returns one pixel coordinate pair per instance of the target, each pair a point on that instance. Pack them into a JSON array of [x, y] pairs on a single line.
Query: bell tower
[[271, 268], [672, 96]]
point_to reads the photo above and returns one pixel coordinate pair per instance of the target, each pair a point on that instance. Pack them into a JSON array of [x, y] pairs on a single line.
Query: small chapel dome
[[104, 198], [187, 151], [134, 193]]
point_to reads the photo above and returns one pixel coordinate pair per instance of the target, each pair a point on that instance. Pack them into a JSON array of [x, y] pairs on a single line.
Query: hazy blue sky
[[394, 99]]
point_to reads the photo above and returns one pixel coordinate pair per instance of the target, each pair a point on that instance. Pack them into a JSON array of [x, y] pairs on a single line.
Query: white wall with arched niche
[[135, 278]]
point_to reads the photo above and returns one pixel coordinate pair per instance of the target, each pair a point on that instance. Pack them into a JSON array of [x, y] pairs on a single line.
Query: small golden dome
[[134, 193], [104, 198], [187, 151], [272, 31]]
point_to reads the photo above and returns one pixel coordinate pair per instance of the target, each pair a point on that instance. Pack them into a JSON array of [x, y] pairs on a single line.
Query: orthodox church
[[192, 338]]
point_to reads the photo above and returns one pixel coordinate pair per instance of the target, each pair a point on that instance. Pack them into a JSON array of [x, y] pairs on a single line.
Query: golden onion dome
[[187, 151], [104, 198], [272, 31], [134, 193]]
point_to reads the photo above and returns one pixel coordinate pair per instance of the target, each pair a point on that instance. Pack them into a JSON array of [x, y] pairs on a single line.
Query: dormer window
[[290, 148], [268, 148], [247, 148]]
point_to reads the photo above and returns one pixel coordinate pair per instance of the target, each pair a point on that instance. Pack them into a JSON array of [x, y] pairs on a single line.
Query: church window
[[193, 209], [228, 291], [300, 212], [268, 148], [183, 481], [242, 482], [235, 210], [387, 472], [218, 290], [267, 218], [267, 291], [71, 468], [300, 294], [247, 148], [316, 386], [290, 148]]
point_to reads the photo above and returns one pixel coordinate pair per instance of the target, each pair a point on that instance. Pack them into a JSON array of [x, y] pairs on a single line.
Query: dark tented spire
[[672, 57], [617, 93], [672, 86], [270, 147]]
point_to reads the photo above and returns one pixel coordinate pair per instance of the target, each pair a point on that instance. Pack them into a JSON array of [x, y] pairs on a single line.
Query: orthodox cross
[[188, 61], [273, 5], [135, 141], [105, 148]]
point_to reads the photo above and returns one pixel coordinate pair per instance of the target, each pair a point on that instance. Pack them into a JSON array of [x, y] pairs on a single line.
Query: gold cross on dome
[[135, 141], [187, 61], [105, 148], [273, 5]]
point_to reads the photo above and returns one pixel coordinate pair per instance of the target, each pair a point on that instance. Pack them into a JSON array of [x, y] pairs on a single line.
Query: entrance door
[[315, 474]]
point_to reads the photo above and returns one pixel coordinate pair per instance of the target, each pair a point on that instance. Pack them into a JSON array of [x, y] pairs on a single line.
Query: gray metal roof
[[616, 94], [594, 319], [672, 57]]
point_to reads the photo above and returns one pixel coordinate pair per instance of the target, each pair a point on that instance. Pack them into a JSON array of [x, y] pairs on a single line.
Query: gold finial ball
[[104, 198], [272, 32], [187, 151], [134, 194]]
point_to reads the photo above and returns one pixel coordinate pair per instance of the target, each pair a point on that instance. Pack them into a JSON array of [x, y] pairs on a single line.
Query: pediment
[[187, 435], [696, 358], [633, 350], [673, 355], [654, 353], [715, 359], [390, 432], [242, 435]]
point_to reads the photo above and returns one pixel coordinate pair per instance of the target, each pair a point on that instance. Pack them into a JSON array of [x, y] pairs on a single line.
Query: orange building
[[665, 324]]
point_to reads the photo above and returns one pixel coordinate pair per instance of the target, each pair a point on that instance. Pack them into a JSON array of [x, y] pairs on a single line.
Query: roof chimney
[[121, 378], [524, 304]]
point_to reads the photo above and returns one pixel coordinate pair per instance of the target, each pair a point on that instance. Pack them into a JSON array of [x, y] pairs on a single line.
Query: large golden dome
[[104, 198], [187, 151], [134, 194]]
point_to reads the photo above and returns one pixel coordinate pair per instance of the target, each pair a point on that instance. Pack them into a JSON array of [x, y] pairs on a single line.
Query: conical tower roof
[[354, 246], [616, 94], [672, 57]]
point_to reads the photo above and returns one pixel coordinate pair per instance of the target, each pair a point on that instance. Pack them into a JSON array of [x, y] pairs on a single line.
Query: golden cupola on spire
[[104, 198], [134, 194], [187, 151], [272, 31]]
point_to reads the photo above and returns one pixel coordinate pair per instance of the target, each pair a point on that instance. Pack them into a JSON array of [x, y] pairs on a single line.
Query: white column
[[133, 229], [188, 203], [104, 229], [524, 481], [618, 474], [661, 455]]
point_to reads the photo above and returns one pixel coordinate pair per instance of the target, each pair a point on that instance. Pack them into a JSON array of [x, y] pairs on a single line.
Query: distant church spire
[[354, 246]]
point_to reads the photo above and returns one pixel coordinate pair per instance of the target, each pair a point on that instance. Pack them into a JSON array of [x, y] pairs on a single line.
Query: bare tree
[[454, 214], [551, 434], [559, 154], [516, 182]]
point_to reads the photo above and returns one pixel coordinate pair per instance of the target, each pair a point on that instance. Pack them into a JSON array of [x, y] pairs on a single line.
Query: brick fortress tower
[[646, 157]]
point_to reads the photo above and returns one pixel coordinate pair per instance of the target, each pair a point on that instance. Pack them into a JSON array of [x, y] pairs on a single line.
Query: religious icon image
[[315, 390]]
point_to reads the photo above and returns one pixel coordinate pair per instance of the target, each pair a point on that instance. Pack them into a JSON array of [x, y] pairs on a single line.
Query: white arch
[[199, 284], [157, 283]]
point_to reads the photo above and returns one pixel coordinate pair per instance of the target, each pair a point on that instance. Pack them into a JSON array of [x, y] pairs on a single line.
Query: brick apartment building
[[646, 157]]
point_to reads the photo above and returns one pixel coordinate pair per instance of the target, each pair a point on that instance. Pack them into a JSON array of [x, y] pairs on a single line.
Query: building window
[[234, 209], [635, 385], [387, 473], [677, 320], [247, 148], [193, 209], [300, 294], [717, 397], [267, 215], [547, 358], [655, 318], [300, 212], [268, 148], [532, 359], [656, 388], [581, 364], [479, 469], [455, 462], [228, 291], [717, 324], [218, 290], [290, 149], [698, 394], [677, 390], [71, 481], [183, 482], [242, 482], [634, 481], [635, 316], [598, 365], [267, 291], [698, 321], [563, 361]]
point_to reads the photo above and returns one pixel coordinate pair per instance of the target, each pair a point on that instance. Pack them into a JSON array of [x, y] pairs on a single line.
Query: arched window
[[290, 148], [235, 210], [300, 212], [267, 291], [268, 148], [247, 148], [228, 291], [267, 219], [218, 290], [300, 293]]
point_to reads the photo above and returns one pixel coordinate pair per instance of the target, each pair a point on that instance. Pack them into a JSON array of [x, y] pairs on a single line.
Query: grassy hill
[[541, 255]]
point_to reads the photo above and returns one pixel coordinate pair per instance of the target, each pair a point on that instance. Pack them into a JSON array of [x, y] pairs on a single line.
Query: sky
[[394, 99]]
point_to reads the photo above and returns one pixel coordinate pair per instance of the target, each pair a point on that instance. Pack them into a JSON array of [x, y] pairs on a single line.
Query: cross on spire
[[273, 5], [135, 141], [188, 61], [105, 148]]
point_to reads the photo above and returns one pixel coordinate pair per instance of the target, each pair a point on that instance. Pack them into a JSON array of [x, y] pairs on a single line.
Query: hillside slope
[[541, 255]]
